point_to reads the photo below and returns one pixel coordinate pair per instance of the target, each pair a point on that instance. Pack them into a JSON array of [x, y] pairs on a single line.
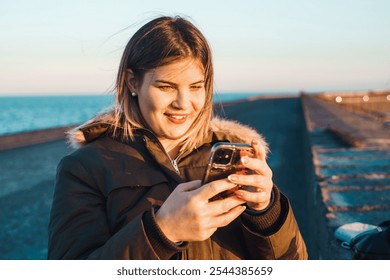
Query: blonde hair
[[162, 41]]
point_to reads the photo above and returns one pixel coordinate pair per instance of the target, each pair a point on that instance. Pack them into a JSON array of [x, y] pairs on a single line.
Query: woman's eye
[[165, 88], [196, 88]]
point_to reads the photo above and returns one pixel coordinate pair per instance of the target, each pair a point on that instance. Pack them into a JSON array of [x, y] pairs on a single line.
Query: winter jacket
[[107, 192]]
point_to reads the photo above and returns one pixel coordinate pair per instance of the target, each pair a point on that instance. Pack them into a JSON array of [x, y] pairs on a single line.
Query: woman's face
[[171, 98]]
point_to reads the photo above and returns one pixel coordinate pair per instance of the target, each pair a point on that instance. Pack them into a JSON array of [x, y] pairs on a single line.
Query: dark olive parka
[[107, 192]]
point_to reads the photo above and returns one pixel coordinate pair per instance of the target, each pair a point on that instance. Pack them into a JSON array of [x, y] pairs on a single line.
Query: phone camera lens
[[223, 156]]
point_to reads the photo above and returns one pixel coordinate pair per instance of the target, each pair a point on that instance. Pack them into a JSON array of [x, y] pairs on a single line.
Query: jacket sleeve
[[274, 234], [78, 226]]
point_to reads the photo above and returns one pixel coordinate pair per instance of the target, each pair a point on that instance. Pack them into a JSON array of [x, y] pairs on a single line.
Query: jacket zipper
[[172, 161], [174, 164]]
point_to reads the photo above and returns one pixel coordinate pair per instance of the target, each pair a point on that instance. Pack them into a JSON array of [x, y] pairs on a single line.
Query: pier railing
[[375, 104]]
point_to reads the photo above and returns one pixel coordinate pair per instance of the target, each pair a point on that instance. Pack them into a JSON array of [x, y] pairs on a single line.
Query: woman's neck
[[172, 147]]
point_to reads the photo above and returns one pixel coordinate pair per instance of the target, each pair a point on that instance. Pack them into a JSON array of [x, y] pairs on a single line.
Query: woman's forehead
[[185, 68]]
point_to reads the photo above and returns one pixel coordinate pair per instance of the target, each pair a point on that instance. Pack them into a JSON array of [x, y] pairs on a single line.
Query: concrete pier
[[351, 163]]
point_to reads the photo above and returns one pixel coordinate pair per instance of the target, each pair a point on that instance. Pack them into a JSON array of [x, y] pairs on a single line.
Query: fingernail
[[239, 194], [244, 160], [232, 178]]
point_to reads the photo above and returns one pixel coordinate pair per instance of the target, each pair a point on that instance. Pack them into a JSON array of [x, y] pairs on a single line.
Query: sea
[[30, 113]]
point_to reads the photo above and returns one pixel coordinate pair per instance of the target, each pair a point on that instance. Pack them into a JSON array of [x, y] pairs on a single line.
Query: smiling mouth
[[177, 119]]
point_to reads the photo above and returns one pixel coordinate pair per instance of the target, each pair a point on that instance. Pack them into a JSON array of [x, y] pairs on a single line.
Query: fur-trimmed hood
[[98, 125]]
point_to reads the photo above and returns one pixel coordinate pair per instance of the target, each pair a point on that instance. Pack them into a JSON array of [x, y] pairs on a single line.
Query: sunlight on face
[[171, 97]]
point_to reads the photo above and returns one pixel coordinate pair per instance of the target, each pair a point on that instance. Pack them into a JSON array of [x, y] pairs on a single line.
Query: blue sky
[[57, 47]]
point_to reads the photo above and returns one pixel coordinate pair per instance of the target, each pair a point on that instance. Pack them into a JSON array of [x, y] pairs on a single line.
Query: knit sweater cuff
[[163, 247], [269, 221]]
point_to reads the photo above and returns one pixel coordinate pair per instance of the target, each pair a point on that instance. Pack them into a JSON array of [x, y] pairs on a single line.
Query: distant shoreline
[[28, 138]]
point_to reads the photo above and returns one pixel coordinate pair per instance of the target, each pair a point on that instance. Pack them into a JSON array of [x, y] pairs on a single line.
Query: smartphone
[[225, 159]]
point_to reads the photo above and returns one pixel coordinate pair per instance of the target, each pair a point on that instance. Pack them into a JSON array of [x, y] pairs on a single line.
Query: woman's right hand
[[187, 214]]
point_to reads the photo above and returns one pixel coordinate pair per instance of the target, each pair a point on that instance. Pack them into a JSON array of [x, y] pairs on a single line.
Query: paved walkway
[[26, 188], [280, 120], [329, 182]]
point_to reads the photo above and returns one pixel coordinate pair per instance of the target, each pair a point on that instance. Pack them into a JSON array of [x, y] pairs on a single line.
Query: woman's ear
[[130, 80]]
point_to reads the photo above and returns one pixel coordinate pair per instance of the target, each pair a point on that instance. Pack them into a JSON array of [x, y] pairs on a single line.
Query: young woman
[[132, 188]]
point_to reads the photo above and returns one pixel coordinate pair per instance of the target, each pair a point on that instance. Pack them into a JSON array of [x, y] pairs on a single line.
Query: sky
[[74, 46]]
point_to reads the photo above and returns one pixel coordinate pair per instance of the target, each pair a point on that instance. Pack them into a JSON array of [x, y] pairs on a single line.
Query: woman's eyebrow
[[164, 82], [171, 83], [198, 82]]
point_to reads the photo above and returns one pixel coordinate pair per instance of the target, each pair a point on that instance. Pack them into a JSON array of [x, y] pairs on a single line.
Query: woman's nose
[[182, 100]]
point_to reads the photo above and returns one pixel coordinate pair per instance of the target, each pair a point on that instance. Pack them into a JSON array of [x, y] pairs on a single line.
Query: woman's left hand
[[257, 188]]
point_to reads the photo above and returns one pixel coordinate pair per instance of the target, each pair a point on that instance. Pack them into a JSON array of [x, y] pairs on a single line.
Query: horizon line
[[273, 92]]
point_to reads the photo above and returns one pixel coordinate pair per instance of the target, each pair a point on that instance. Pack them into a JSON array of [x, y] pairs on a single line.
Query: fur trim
[[76, 137], [238, 130], [232, 129]]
